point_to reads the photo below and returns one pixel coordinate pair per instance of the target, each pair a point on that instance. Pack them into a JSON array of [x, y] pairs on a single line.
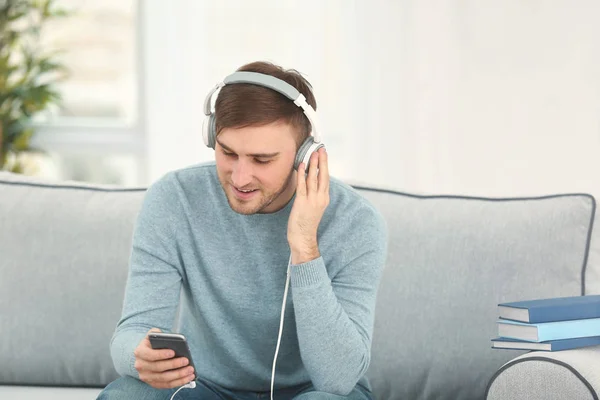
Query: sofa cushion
[[64, 253], [538, 375], [451, 261], [47, 393]]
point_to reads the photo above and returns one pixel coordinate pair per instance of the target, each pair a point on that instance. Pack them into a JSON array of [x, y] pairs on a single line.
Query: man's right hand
[[158, 368]]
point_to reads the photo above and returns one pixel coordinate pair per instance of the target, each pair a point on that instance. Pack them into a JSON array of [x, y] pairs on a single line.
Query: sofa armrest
[[569, 374]]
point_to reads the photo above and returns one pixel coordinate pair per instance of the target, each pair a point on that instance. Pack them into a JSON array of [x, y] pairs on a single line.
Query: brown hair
[[243, 104]]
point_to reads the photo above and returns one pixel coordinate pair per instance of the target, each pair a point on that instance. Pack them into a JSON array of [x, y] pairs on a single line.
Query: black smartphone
[[172, 341]]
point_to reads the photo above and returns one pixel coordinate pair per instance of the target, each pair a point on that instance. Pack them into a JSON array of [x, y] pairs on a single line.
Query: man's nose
[[242, 173]]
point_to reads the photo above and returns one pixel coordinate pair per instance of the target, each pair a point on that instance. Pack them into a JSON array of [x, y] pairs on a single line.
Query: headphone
[[309, 146]]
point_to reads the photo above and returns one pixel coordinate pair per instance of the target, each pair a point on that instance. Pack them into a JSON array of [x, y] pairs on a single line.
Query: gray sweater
[[227, 274]]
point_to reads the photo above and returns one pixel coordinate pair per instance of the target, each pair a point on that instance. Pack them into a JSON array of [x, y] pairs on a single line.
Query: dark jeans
[[128, 388]]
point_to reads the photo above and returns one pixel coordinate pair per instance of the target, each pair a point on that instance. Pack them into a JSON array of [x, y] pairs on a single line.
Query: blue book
[[551, 345], [550, 310], [545, 331]]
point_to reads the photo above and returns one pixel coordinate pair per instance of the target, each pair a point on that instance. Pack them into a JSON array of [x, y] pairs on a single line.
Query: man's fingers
[[301, 186], [182, 381], [170, 376], [169, 379], [323, 171], [161, 366], [311, 184]]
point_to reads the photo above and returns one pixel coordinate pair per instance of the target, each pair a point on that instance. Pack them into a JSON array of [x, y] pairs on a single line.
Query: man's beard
[[265, 201]]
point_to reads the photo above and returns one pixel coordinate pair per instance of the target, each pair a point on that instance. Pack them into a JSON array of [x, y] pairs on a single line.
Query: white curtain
[[462, 97]]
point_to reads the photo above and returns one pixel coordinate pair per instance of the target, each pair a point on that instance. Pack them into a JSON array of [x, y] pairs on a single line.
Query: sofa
[[64, 252]]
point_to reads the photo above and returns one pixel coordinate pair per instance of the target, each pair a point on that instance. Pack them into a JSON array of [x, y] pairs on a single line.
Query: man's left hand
[[312, 198]]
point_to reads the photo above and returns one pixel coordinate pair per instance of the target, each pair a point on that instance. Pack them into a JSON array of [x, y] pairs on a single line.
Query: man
[[222, 234]]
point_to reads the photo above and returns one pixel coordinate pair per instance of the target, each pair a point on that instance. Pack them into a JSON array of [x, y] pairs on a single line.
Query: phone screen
[[173, 341]]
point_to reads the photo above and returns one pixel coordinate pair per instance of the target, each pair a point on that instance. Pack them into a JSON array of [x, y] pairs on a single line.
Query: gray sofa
[[64, 251]]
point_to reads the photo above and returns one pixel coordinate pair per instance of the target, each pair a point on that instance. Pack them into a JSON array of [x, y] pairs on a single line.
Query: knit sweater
[[218, 277]]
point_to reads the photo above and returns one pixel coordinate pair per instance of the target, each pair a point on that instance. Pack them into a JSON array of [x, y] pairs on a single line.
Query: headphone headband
[[263, 80], [270, 82]]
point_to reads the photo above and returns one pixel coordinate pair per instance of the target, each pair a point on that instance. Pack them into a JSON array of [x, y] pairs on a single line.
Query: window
[[99, 43], [96, 135]]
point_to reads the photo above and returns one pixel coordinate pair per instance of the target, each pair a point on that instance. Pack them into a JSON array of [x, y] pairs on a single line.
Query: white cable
[[287, 282], [190, 385], [177, 391]]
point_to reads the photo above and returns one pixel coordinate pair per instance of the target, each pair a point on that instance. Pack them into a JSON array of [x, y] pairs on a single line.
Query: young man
[[225, 233]]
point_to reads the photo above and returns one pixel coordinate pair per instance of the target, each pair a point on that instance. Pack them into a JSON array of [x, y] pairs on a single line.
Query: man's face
[[255, 167]]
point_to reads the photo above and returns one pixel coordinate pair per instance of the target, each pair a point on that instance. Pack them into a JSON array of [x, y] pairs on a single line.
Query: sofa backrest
[[64, 253], [451, 261]]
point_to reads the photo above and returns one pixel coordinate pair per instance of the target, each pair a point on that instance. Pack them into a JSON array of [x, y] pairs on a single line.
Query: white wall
[[474, 97]]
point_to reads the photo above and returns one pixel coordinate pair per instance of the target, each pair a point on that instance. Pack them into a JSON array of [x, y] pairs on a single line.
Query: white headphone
[[309, 146]]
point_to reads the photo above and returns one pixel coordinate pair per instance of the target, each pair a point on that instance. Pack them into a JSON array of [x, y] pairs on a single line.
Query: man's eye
[[227, 153], [262, 162]]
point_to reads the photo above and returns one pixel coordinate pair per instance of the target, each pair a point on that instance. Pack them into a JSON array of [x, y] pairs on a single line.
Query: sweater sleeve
[[335, 317], [154, 279]]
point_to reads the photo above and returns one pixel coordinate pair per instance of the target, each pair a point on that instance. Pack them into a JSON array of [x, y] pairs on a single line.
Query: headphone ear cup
[[205, 129], [305, 151], [302, 152], [208, 131]]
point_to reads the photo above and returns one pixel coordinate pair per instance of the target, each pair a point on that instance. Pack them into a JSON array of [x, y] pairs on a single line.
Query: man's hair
[[243, 104]]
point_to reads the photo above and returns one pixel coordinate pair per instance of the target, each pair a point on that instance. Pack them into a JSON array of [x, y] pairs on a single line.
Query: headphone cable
[[287, 282]]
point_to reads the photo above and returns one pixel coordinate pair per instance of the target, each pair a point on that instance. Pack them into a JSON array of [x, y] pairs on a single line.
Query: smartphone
[[172, 341]]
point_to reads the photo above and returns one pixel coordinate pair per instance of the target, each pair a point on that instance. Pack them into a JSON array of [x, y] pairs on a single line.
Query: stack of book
[[554, 324]]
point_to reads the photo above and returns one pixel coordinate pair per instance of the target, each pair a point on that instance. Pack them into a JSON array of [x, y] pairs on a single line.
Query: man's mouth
[[244, 193]]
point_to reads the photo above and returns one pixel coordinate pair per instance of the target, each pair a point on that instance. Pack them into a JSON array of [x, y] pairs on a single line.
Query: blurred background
[[474, 97]]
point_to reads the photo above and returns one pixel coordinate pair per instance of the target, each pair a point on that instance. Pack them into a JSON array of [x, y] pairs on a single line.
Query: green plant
[[28, 75]]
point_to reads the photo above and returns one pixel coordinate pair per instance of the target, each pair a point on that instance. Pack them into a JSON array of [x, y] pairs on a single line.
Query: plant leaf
[[21, 143]]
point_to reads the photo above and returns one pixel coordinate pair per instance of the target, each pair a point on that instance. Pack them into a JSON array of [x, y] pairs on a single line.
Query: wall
[[473, 97]]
